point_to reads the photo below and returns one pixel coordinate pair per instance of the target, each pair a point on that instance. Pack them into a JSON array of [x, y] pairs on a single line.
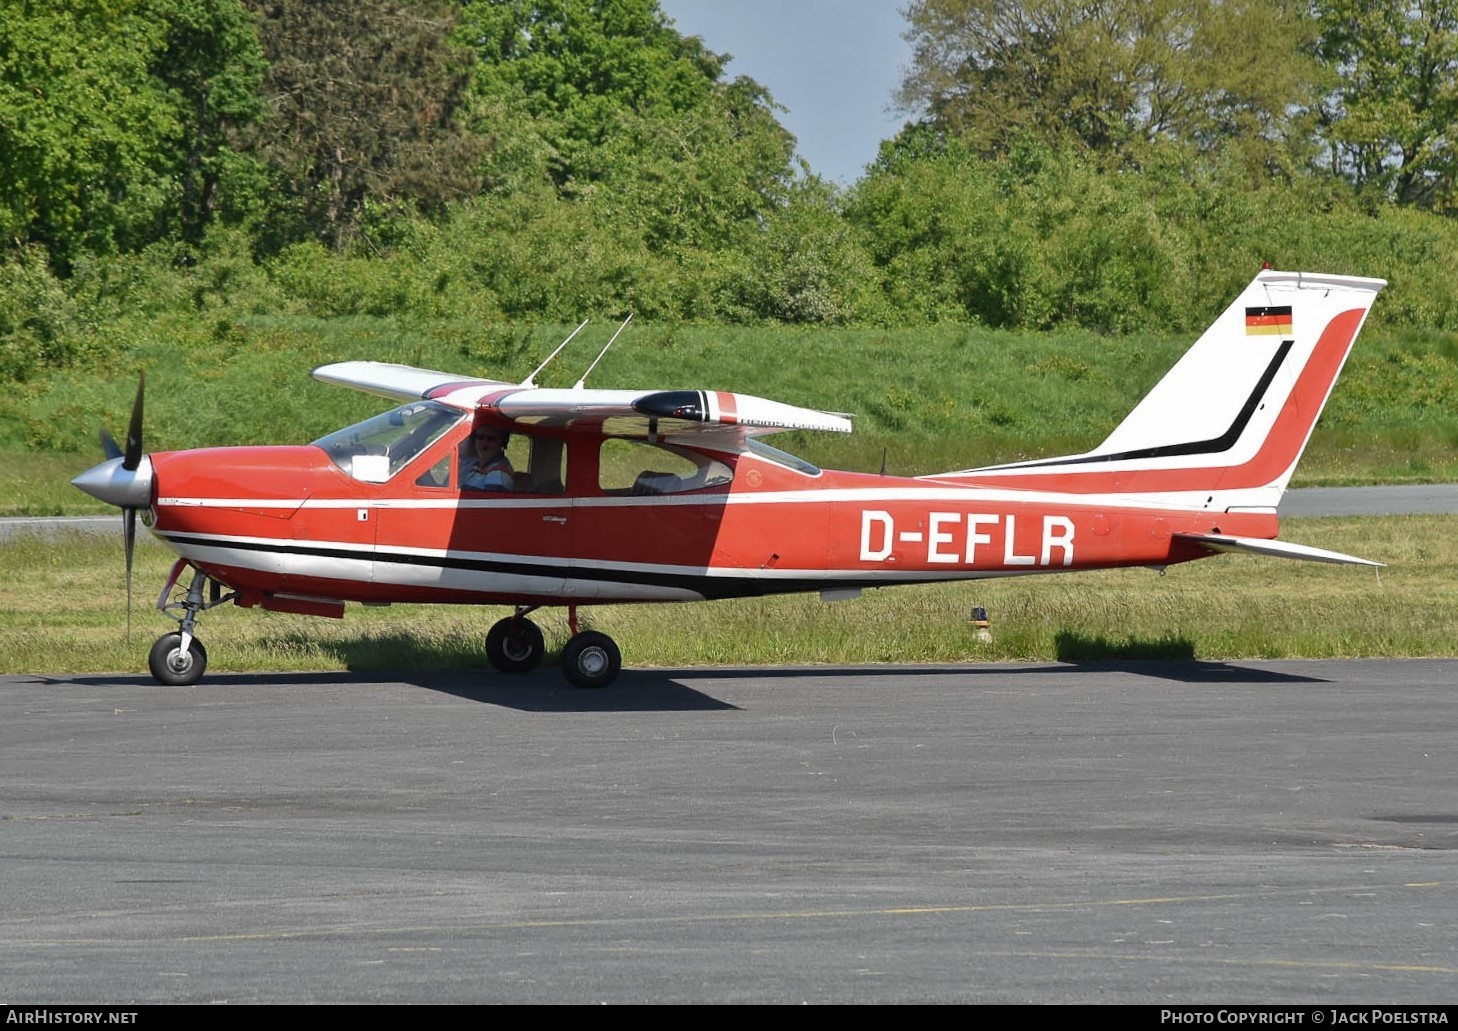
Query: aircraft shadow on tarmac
[[684, 690]]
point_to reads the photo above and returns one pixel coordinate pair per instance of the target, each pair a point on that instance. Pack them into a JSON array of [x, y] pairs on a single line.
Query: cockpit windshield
[[378, 448]]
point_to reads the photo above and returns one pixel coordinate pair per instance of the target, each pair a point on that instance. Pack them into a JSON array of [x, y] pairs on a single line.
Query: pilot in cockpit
[[488, 468]]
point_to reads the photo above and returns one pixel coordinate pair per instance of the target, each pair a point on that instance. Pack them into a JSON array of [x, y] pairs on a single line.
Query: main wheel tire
[[177, 668], [514, 645], [591, 659]]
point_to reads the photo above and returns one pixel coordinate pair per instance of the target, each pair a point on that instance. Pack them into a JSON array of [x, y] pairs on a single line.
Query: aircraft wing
[[1275, 549], [401, 382], [663, 413], [628, 413]]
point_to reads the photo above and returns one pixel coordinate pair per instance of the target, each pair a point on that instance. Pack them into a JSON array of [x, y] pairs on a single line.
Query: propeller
[[124, 479]]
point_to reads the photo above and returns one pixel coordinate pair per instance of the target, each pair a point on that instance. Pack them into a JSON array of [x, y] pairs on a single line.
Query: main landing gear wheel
[[591, 659], [175, 667], [514, 645]]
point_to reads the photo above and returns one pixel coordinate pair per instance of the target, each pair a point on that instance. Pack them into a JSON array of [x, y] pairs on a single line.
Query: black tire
[[172, 666], [591, 659], [514, 645]]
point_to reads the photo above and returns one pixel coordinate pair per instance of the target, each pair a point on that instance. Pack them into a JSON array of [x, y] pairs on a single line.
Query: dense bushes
[[1040, 240], [1047, 239]]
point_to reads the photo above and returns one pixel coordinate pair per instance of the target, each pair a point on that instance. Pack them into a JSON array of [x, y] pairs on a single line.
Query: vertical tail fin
[[1227, 424]]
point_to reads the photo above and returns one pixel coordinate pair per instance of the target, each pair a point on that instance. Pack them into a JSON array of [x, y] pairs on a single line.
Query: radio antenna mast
[[531, 380], [603, 352]]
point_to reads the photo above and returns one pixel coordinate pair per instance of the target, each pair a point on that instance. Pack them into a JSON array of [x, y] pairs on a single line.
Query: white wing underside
[[401, 382]]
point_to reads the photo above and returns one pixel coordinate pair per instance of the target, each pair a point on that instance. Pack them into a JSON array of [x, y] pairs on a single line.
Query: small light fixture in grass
[[980, 624]]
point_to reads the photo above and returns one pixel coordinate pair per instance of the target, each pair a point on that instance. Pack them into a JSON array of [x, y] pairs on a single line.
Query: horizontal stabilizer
[[1273, 548]]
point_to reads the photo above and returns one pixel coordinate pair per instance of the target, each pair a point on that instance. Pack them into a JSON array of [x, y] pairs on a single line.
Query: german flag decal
[[1274, 321]]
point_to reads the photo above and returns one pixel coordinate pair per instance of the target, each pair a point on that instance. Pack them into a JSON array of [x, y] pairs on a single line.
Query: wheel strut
[[185, 612]]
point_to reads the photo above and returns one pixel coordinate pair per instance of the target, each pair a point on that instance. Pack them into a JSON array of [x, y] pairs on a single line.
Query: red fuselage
[[288, 521]]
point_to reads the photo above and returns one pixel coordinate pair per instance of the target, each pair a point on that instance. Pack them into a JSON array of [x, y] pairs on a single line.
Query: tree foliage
[[1116, 76], [83, 125], [363, 96], [606, 99], [1388, 121], [211, 67], [116, 119], [1118, 166], [581, 68]]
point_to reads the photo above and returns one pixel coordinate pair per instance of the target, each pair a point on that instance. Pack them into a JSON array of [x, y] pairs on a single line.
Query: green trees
[[116, 119], [1388, 118], [83, 127], [1116, 77], [615, 107], [210, 67], [583, 70], [1119, 165], [1362, 88], [363, 97]]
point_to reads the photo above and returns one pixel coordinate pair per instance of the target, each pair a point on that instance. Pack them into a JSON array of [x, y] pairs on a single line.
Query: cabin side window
[[496, 460], [637, 468]]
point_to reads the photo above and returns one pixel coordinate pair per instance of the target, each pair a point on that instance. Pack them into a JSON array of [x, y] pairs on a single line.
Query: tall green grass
[[928, 400], [64, 610]]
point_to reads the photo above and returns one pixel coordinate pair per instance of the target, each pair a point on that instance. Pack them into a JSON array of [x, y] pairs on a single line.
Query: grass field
[[64, 610]]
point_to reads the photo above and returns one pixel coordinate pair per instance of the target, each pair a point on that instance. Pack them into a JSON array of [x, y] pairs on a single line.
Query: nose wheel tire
[[177, 668], [514, 645], [591, 659]]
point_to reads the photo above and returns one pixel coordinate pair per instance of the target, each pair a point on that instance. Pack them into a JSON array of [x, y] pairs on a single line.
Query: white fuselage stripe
[[1192, 500]]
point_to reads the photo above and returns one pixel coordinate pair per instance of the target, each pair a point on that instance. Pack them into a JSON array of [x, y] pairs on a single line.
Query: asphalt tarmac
[[1166, 834]]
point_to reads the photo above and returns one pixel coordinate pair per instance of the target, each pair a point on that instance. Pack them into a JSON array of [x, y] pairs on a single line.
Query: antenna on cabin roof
[[602, 352], [531, 380]]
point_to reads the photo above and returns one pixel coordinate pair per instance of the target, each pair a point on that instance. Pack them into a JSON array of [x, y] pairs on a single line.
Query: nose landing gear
[[179, 659]]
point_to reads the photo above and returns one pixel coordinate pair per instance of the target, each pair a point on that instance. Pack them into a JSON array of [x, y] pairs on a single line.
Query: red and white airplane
[[671, 495]]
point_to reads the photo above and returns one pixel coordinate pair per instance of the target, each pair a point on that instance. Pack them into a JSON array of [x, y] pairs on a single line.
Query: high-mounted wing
[[661, 413], [625, 413], [401, 382]]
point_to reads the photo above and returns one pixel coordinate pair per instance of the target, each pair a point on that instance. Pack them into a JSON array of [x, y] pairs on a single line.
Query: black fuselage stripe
[[1213, 446], [708, 586]]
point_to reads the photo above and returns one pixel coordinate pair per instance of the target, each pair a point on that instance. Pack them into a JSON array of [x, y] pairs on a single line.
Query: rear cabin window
[[637, 468]]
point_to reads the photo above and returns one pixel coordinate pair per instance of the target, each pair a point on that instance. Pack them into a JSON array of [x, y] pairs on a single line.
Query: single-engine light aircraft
[[486, 492]]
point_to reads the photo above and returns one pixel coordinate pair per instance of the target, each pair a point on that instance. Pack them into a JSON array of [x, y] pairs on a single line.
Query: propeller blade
[[133, 457], [109, 444], [129, 536]]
